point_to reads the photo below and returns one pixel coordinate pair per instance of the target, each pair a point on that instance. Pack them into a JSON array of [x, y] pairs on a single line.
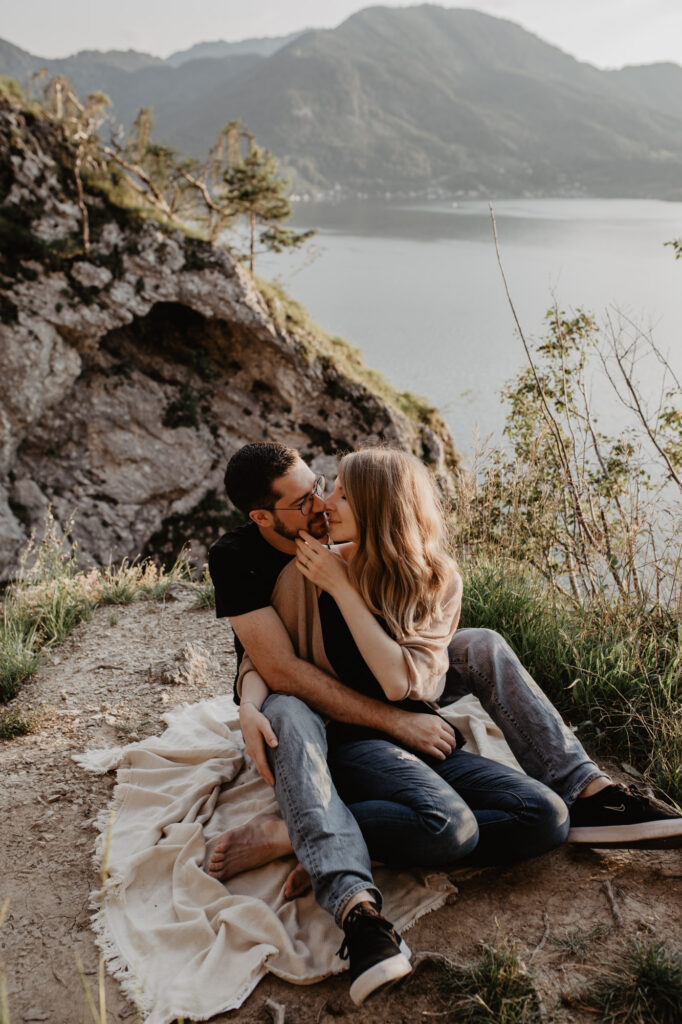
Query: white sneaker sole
[[376, 977], [665, 832]]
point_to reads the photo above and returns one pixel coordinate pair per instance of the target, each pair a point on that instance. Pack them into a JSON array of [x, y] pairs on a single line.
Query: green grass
[[644, 987], [577, 943], [497, 989], [18, 655], [135, 581], [46, 601], [13, 724], [614, 671], [11, 89], [205, 591]]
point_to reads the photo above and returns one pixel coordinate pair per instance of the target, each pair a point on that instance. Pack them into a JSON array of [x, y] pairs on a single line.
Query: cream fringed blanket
[[184, 944]]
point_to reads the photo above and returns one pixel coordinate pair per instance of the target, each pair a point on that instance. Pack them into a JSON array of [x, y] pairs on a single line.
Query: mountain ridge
[[262, 46], [415, 99]]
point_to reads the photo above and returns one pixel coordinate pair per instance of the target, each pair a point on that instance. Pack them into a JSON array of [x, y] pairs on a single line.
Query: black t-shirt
[[352, 669], [244, 569]]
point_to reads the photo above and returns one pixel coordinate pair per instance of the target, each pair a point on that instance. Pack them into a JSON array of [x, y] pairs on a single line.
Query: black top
[[352, 669], [244, 569]]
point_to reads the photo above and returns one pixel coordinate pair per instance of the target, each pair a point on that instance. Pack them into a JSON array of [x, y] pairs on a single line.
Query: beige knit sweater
[[426, 654]]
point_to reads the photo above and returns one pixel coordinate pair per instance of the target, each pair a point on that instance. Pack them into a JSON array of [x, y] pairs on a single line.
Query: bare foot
[[250, 846], [297, 883]]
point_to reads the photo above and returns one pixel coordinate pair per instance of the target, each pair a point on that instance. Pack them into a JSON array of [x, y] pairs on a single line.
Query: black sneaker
[[620, 816], [374, 951]]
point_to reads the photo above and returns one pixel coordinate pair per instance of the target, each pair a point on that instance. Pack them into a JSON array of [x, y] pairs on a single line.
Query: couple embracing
[[344, 655]]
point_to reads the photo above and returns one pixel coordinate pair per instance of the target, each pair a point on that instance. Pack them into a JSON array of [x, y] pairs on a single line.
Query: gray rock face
[[130, 374]]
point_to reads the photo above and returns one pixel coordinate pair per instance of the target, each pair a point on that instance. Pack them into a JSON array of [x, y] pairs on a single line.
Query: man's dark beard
[[282, 530], [318, 527], [315, 526]]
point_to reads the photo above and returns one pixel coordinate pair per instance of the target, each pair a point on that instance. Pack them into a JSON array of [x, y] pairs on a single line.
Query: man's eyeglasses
[[305, 505]]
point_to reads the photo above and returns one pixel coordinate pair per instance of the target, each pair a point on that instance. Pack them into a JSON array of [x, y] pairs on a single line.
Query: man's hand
[[424, 733], [257, 731]]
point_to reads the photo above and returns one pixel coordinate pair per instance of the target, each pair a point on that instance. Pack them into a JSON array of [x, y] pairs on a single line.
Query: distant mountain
[[411, 99], [124, 60], [658, 86], [407, 98], [189, 101], [178, 95], [264, 47], [17, 63]]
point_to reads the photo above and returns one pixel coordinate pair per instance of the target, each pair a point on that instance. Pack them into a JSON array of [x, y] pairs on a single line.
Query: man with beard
[[281, 496]]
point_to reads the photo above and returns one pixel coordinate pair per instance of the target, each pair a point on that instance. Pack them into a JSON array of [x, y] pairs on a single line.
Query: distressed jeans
[[324, 834], [483, 663]]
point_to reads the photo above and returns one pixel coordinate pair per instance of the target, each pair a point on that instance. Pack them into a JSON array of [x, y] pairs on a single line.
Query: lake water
[[417, 288]]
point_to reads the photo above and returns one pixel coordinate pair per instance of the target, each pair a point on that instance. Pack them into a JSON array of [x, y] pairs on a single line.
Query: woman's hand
[[257, 731], [326, 569]]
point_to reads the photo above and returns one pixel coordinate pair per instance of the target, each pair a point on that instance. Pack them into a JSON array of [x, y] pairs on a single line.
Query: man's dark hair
[[251, 471]]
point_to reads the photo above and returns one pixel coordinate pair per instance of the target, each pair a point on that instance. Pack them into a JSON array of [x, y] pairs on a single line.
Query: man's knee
[[477, 658], [480, 646], [288, 714]]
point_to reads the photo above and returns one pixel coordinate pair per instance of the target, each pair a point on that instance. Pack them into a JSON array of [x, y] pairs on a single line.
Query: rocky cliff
[[131, 373]]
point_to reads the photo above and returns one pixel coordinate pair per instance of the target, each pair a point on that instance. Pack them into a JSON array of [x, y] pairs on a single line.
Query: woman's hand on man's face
[[324, 568]]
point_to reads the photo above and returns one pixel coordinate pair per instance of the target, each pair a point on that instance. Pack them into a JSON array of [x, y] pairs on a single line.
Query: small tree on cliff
[[208, 196], [80, 122], [170, 183], [253, 190]]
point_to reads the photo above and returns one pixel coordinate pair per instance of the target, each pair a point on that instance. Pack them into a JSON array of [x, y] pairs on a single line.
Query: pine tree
[[253, 190]]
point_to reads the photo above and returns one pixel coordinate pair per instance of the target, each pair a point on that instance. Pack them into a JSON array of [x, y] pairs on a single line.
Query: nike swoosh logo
[[619, 810]]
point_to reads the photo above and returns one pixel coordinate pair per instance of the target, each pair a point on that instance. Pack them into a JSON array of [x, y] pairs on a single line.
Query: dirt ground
[[108, 684]]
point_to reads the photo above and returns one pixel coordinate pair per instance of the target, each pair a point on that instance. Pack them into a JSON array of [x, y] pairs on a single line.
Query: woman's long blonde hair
[[401, 565]]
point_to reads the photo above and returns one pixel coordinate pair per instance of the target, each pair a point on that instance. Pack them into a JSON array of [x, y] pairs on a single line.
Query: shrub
[[616, 671], [18, 655], [644, 987], [571, 543], [13, 724], [205, 590], [497, 989]]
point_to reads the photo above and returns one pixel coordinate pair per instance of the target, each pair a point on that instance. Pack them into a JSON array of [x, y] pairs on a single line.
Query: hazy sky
[[608, 33]]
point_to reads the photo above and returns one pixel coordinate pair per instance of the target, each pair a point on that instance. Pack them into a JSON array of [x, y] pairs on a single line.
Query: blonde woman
[[378, 612]]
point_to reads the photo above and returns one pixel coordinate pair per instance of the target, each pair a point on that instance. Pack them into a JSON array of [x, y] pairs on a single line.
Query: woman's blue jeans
[[466, 810]]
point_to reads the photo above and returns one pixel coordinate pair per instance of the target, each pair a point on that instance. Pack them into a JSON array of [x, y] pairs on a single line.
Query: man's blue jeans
[[483, 663], [323, 832], [325, 835]]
